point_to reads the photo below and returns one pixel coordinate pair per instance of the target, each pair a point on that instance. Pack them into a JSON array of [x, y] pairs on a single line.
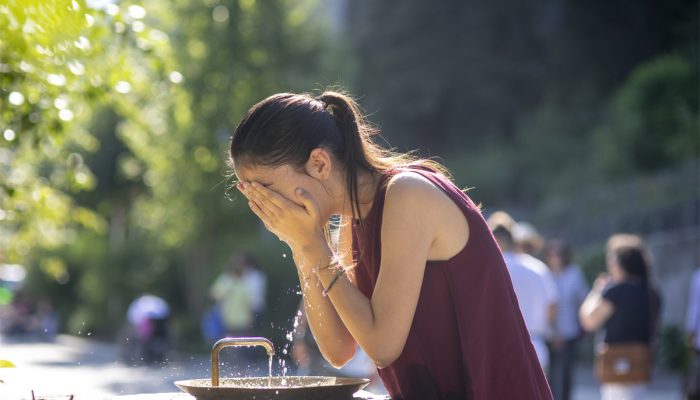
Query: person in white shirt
[[536, 295], [527, 239]]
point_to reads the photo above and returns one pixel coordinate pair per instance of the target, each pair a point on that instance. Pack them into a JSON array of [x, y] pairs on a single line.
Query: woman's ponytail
[[356, 133], [285, 128]]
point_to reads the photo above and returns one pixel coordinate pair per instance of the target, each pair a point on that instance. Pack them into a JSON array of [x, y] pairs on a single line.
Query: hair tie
[[326, 106]]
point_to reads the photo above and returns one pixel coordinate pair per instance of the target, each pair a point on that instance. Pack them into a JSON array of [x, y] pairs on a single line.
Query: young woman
[[416, 280], [624, 305]]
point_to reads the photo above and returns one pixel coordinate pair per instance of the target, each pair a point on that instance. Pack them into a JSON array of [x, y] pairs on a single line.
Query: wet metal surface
[[275, 388]]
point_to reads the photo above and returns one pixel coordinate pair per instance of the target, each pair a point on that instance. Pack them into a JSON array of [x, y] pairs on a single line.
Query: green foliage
[[115, 124], [59, 61], [654, 118], [673, 352]]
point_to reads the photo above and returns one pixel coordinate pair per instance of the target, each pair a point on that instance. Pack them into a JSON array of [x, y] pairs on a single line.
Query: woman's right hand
[[601, 281], [297, 225]]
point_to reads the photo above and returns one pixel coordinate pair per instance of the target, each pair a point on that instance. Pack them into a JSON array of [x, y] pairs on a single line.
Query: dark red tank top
[[468, 339]]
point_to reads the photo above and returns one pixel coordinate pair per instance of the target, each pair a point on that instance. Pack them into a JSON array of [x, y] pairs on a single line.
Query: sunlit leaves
[[60, 61]]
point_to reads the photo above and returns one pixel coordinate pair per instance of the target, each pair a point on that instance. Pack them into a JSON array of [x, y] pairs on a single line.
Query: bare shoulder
[[411, 188], [413, 199], [414, 202]]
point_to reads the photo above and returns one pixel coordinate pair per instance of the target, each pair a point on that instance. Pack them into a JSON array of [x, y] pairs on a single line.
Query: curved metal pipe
[[235, 342]]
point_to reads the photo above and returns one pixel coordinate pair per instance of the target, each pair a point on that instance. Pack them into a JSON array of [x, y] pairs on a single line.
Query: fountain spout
[[236, 342]]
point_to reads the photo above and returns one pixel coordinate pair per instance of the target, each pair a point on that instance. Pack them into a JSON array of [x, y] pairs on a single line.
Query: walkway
[[88, 369]]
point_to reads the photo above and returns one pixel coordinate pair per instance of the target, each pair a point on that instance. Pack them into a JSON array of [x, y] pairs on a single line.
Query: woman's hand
[[297, 225], [602, 281]]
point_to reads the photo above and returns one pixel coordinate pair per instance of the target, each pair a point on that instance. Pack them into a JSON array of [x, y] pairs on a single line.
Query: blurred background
[[580, 117]]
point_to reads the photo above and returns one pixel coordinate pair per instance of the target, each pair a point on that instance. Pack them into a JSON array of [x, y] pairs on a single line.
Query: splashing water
[[290, 339], [269, 371]]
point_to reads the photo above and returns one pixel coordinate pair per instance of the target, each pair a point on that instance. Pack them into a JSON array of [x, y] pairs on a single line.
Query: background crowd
[[580, 117]]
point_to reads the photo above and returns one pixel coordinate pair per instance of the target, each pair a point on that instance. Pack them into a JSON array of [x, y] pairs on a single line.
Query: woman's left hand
[[298, 226]]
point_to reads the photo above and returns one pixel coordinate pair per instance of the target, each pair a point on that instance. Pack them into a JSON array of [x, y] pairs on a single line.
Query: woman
[[623, 303], [417, 280], [566, 332]]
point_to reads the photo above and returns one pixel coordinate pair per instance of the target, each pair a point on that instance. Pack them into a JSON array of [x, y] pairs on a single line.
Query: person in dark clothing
[[623, 305], [416, 279]]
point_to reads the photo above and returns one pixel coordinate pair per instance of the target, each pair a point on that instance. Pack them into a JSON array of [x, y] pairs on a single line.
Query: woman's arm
[[332, 337], [334, 341], [297, 223], [381, 324], [595, 310]]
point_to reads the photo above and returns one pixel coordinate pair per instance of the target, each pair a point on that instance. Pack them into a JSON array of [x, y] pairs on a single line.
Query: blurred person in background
[[233, 296], [625, 308], [692, 329], [148, 322], [256, 282], [245, 307], [527, 239], [21, 318], [566, 329], [529, 244], [27, 316], [536, 294]]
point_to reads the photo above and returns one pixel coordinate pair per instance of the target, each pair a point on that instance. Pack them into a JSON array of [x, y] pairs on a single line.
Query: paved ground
[[664, 386], [88, 369]]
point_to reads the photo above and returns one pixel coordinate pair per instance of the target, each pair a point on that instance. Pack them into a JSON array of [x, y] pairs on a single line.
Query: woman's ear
[[319, 164]]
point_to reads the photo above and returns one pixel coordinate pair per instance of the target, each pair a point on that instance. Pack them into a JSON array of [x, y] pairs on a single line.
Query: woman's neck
[[367, 183]]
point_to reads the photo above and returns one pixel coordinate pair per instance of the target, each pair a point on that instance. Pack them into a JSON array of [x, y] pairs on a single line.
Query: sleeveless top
[[468, 339]]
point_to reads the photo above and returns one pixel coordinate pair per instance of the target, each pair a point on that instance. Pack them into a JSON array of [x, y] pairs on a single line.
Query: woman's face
[[284, 180], [614, 269], [554, 260]]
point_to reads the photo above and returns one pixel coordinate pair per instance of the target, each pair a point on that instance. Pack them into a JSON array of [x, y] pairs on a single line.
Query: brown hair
[[286, 127], [631, 255], [561, 249]]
